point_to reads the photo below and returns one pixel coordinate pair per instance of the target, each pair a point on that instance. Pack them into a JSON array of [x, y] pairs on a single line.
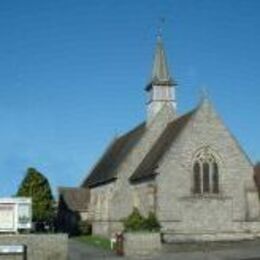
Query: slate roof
[[147, 168], [106, 168], [76, 199]]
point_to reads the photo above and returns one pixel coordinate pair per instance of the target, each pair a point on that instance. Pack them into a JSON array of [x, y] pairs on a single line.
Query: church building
[[188, 169]]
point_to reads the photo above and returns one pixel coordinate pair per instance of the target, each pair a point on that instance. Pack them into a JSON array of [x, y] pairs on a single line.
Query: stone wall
[[144, 197], [107, 228], [142, 244], [40, 247], [176, 206], [185, 212], [237, 231], [123, 197], [112, 202], [209, 237]]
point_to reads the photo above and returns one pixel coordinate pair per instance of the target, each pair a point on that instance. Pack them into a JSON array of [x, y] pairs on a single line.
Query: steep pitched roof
[[76, 199], [106, 169], [147, 168]]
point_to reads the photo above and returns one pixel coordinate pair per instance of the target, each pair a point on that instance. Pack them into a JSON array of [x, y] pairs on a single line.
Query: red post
[[120, 244]]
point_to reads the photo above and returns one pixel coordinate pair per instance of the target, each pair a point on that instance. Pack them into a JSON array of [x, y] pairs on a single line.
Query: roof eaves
[[99, 183]]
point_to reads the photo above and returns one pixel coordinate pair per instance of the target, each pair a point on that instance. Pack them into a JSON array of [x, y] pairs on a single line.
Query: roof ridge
[[132, 130]]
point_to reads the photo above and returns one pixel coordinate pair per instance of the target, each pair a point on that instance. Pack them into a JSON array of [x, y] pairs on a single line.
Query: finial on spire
[[204, 93], [161, 23]]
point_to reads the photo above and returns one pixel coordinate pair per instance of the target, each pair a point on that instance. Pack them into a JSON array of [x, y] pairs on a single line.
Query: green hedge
[[136, 222]]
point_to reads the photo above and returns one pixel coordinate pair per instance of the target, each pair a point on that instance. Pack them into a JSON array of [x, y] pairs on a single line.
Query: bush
[[136, 222], [151, 222], [84, 228]]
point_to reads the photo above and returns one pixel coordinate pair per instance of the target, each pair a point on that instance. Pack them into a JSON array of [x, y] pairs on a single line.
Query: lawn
[[96, 241]]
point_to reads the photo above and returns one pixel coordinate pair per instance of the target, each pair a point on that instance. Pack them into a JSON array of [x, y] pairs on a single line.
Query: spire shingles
[[160, 72]]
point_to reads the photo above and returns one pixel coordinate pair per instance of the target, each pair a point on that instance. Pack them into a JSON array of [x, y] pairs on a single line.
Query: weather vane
[[160, 26]]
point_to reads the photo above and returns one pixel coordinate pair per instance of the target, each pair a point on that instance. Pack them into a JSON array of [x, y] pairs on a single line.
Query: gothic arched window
[[205, 172]]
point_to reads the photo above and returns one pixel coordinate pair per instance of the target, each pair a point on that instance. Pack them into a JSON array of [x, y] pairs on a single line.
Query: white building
[[15, 214]]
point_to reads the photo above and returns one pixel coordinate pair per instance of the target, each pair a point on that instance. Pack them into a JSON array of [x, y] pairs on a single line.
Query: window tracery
[[205, 172]]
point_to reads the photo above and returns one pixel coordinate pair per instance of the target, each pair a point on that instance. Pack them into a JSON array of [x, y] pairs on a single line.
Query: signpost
[[15, 214]]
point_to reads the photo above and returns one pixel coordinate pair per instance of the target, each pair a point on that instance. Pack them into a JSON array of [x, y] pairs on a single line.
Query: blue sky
[[72, 75]]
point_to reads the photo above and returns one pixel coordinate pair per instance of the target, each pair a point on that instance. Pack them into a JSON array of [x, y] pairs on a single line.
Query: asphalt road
[[248, 250]]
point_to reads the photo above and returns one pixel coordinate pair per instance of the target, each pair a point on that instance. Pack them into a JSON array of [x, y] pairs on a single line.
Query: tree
[[36, 186]]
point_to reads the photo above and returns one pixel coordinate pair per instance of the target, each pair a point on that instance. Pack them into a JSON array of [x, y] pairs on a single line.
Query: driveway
[[247, 250]]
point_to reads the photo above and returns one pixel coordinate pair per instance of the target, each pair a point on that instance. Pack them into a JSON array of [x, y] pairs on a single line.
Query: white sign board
[[11, 249], [24, 216], [15, 213], [7, 217]]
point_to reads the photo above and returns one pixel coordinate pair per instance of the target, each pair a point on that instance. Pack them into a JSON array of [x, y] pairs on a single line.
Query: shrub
[[136, 222], [151, 222]]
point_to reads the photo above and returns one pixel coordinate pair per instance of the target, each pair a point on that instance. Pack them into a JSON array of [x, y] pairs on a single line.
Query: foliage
[[84, 227], [96, 241], [136, 222], [151, 223], [36, 186]]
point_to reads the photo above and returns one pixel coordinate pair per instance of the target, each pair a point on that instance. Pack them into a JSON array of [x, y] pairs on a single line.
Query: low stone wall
[[217, 237], [39, 247], [142, 244], [238, 230]]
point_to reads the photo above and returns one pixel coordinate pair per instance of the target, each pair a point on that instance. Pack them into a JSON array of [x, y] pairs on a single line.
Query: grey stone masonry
[[112, 202], [142, 244], [236, 204], [39, 247]]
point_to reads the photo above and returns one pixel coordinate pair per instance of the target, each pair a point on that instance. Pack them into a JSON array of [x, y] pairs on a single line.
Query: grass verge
[[96, 241]]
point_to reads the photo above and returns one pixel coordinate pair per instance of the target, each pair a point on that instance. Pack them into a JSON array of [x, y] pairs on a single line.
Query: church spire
[[161, 88], [160, 72]]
